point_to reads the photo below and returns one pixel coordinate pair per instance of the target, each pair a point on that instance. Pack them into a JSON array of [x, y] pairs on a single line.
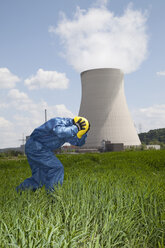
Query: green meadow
[[107, 200]]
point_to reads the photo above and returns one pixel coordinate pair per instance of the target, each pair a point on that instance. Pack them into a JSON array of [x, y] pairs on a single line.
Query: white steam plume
[[96, 38]]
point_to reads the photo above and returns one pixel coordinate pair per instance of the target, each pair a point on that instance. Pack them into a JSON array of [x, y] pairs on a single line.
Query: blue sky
[[44, 45]]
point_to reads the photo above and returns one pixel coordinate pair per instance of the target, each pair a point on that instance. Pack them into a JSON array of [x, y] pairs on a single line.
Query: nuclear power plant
[[103, 103]]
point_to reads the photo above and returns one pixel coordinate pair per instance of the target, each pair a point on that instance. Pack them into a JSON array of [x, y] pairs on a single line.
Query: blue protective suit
[[45, 166]]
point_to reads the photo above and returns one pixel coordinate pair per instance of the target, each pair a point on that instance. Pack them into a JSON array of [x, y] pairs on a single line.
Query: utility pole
[[140, 128], [23, 143], [45, 115]]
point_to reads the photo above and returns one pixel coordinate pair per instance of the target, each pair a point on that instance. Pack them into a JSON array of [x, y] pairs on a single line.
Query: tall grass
[[107, 200]]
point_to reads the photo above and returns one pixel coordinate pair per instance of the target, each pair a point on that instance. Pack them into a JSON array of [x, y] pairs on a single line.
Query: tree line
[[156, 136]]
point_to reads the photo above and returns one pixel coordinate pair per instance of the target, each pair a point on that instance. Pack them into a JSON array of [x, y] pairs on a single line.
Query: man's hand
[[82, 125]]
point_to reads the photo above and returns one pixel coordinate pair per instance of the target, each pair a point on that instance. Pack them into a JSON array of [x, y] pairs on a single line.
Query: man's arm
[[78, 142], [62, 131]]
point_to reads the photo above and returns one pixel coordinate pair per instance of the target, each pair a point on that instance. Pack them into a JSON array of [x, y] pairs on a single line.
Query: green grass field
[[107, 200]]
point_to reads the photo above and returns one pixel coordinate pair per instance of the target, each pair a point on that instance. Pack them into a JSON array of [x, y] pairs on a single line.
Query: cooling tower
[[103, 103]]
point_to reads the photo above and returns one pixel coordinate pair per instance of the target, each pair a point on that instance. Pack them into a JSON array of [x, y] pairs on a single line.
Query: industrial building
[[103, 103]]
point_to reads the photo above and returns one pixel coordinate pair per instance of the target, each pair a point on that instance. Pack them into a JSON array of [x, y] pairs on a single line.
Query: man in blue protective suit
[[46, 168]]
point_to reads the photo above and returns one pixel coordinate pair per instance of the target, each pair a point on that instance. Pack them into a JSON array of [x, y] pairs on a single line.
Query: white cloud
[[20, 100], [51, 29], [26, 115], [161, 73], [47, 79], [7, 134], [152, 117], [3, 105], [101, 3], [96, 38], [7, 79], [4, 124], [17, 95], [62, 111]]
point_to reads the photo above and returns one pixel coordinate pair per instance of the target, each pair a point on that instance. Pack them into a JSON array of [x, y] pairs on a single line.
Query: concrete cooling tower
[[103, 103]]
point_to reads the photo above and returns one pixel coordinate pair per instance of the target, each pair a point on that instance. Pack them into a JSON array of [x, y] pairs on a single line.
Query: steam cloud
[[96, 38]]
